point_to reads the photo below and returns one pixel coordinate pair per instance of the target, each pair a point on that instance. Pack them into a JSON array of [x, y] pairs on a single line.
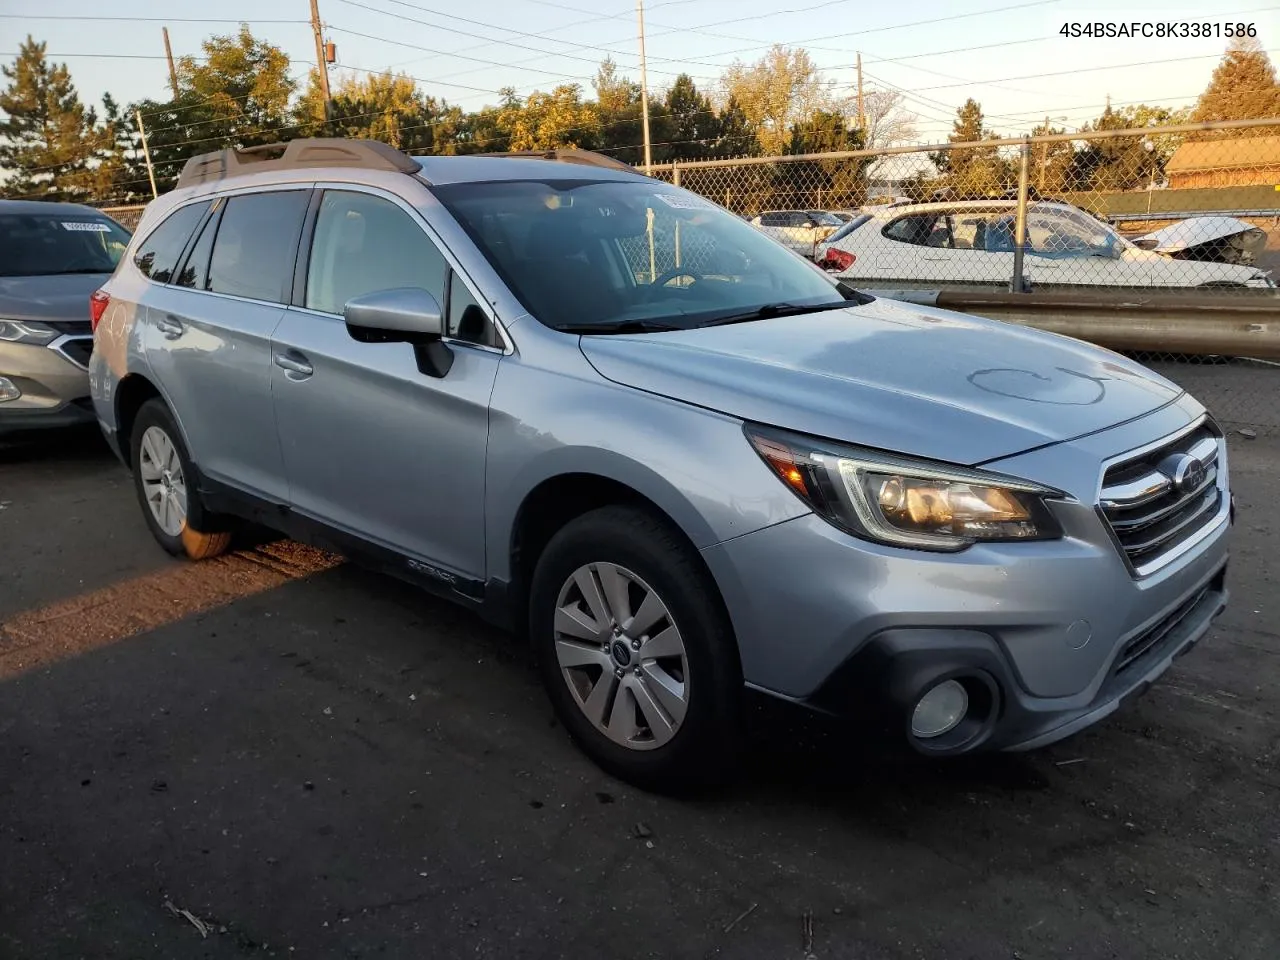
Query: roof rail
[[587, 158], [296, 155]]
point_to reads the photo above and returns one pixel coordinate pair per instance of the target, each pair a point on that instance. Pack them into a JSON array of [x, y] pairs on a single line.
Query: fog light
[[939, 710], [8, 390]]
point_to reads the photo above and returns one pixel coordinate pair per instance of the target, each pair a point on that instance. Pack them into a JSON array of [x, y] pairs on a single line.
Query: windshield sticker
[[85, 226], [682, 202]]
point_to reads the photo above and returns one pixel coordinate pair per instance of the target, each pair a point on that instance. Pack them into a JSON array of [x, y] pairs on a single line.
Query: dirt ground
[[276, 754]]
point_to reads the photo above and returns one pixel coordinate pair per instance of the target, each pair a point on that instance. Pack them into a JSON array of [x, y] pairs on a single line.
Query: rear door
[[372, 446], [209, 335]]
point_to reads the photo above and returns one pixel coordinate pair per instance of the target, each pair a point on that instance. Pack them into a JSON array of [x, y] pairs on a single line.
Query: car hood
[[60, 297], [893, 376], [1198, 230]]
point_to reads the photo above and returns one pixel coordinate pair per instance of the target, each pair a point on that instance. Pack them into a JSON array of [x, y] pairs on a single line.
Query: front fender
[[693, 464]]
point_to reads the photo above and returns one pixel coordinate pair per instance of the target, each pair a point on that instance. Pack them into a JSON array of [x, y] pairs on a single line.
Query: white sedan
[[971, 242], [800, 230]]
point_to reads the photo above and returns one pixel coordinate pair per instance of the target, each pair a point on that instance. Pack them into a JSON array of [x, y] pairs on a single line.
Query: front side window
[[157, 256], [602, 253], [364, 244], [1062, 232], [256, 245]]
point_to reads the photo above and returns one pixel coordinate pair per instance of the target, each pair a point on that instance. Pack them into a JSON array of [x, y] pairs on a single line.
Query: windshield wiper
[[770, 310], [622, 326]]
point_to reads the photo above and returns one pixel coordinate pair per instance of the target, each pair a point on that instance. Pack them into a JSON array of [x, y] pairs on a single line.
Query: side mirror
[[1146, 243], [402, 315]]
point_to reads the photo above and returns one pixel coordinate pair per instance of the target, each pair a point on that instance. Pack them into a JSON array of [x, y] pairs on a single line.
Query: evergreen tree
[[973, 171], [691, 126], [51, 145], [1243, 87]]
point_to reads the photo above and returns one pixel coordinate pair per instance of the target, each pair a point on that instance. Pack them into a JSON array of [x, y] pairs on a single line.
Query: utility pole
[[168, 55], [1044, 155], [862, 113], [322, 62], [146, 153], [644, 91]]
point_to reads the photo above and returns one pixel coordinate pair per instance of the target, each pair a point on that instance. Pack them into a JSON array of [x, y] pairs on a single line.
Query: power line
[[489, 41], [1064, 73], [95, 17]]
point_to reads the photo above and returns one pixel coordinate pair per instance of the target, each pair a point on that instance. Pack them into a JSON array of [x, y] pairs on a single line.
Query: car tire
[[668, 722], [162, 474]]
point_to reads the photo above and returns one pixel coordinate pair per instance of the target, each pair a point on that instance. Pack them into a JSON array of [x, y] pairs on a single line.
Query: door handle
[[170, 326], [295, 365]]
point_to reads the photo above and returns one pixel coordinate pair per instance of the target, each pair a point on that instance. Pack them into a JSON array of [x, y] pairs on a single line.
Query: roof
[[938, 206], [1224, 154], [48, 206], [314, 153], [479, 167]]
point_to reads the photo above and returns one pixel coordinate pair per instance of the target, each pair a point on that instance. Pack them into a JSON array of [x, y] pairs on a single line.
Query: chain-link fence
[[1193, 209]]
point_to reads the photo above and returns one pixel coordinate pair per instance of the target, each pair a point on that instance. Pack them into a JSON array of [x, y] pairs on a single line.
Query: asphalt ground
[[277, 754]]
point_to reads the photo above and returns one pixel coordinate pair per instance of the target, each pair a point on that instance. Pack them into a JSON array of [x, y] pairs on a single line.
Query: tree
[[888, 124], [1117, 163], [736, 136], [379, 106], [823, 183], [617, 106], [1052, 164], [691, 127], [549, 120], [973, 171], [776, 92], [244, 85], [1243, 87], [53, 147]]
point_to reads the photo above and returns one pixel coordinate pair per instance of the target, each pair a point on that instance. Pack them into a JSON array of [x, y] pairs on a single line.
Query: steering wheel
[[668, 275]]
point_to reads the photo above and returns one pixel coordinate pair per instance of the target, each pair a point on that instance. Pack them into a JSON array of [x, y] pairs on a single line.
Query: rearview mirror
[[402, 315]]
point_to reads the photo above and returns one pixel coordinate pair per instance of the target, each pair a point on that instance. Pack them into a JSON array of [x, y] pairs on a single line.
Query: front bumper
[[55, 390], [883, 681], [1048, 637]]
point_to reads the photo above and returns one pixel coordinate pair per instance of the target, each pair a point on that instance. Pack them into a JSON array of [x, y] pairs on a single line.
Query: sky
[[1007, 54]]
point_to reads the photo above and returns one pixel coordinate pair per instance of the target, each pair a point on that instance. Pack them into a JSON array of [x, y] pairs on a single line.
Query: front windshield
[[598, 253], [45, 244], [824, 219]]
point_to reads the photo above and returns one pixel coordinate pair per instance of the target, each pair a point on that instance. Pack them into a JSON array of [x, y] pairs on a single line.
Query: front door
[[371, 445]]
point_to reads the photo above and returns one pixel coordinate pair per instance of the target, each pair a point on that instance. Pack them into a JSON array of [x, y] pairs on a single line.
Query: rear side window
[[256, 245], [195, 272], [158, 254], [364, 244], [921, 229]]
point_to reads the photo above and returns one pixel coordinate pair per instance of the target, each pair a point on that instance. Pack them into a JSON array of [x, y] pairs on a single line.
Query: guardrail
[[1270, 213], [1226, 326]]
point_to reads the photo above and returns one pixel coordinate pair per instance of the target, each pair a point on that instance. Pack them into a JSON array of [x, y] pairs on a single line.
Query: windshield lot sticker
[[83, 226], [681, 202]]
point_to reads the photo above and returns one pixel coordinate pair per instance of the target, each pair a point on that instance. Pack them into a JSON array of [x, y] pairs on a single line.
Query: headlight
[[903, 502], [26, 331]]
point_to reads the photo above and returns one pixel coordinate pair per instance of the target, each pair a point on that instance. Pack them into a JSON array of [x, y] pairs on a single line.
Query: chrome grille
[[1161, 498], [76, 349]]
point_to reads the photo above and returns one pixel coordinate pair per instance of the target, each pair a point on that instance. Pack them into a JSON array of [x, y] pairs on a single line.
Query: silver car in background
[[685, 472], [52, 257]]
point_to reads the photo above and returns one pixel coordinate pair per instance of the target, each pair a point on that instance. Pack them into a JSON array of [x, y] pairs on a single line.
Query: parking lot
[[314, 761]]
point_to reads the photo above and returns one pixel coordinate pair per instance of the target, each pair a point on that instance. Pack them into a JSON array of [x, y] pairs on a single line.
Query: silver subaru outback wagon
[[689, 464]]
